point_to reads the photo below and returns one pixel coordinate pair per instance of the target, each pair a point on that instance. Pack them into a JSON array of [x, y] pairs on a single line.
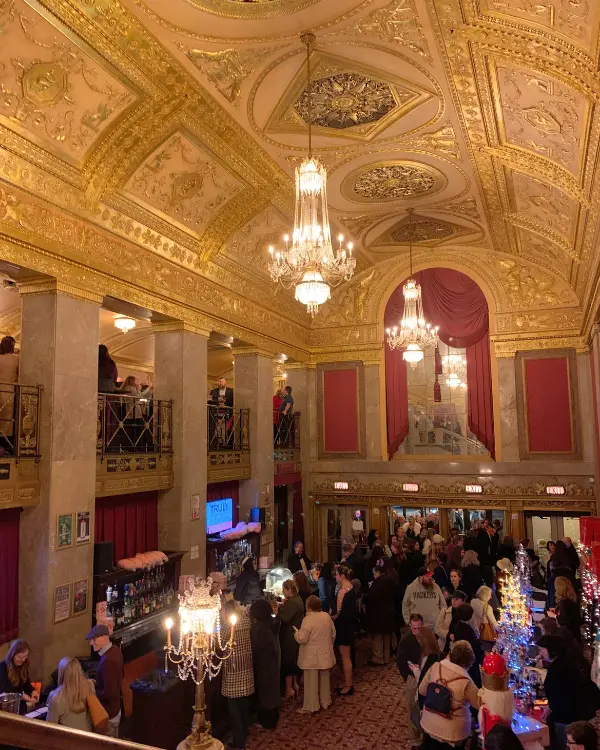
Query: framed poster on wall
[[62, 603]]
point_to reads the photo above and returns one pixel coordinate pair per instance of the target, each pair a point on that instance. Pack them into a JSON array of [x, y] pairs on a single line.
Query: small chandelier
[[455, 367], [309, 262], [125, 324], [414, 334]]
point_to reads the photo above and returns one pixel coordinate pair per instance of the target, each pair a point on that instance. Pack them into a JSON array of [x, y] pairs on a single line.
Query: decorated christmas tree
[[515, 632]]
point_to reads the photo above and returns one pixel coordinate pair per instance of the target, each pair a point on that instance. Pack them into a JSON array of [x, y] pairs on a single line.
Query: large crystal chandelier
[[309, 262], [455, 368], [414, 334]]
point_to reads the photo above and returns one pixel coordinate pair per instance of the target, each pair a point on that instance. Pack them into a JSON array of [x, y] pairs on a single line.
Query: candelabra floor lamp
[[200, 653]]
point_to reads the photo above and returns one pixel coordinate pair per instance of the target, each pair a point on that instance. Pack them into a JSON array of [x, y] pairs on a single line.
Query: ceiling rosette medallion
[[395, 180], [421, 230], [349, 100]]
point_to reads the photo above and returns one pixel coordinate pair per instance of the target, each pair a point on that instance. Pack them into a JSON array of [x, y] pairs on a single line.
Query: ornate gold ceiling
[[147, 150]]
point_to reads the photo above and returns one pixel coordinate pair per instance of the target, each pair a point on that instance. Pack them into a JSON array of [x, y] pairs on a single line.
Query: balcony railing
[[228, 429], [19, 420], [133, 425], [286, 430]]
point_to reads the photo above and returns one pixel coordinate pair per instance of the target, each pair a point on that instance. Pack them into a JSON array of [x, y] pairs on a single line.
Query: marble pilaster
[[586, 407], [253, 390], [373, 410], [181, 375], [59, 350], [507, 404]]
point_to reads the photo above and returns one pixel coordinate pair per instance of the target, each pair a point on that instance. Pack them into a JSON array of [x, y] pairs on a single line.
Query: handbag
[[439, 698], [98, 714], [486, 629]]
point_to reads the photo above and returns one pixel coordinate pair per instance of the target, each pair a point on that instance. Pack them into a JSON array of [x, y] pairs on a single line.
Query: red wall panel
[[340, 411], [548, 402]]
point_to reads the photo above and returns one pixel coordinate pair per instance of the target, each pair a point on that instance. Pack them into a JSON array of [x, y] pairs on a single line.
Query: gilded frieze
[[529, 286], [548, 320], [50, 89], [545, 202], [421, 229], [464, 207], [348, 304]]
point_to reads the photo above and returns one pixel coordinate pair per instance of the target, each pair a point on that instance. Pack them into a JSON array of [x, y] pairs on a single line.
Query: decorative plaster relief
[[545, 202], [50, 88], [183, 182], [391, 181], [249, 245], [542, 115]]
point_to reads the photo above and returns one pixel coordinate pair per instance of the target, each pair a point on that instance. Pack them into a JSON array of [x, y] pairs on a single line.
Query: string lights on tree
[[515, 631]]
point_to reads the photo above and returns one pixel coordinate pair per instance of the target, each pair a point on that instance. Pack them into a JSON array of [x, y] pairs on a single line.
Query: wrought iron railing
[[19, 420], [228, 429], [132, 424], [286, 430]]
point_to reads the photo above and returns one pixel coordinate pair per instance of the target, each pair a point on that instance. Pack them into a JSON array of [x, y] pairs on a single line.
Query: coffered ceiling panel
[[54, 91], [183, 182]]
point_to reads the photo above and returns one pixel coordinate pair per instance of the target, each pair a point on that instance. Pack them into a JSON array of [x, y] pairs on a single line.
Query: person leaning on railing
[[107, 371]]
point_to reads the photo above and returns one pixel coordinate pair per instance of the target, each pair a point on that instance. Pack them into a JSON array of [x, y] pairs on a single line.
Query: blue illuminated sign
[[219, 515]]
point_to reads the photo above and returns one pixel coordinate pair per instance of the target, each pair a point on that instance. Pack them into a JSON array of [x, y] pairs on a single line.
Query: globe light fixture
[[125, 324]]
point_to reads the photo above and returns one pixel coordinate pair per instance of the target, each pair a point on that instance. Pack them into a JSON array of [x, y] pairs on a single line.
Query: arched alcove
[[423, 410]]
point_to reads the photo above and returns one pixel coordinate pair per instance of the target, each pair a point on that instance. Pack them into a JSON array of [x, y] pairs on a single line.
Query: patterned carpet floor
[[374, 718]]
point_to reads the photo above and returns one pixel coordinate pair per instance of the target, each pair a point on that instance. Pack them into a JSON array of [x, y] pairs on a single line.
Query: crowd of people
[[434, 605]]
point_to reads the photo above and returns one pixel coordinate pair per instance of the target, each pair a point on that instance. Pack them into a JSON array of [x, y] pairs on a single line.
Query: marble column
[[595, 384], [507, 404], [373, 410], [253, 390], [180, 366], [59, 350]]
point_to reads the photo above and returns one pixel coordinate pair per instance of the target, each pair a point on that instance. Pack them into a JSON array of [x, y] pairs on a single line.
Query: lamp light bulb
[[233, 619], [168, 623]]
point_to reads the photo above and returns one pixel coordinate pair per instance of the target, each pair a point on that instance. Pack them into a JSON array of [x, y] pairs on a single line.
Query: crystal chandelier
[[200, 652], [455, 367], [308, 262], [414, 334]]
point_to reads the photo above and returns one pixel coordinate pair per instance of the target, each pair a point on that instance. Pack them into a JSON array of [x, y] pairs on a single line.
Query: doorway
[[463, 519], [281, 522], [540, 529], [343, 523]]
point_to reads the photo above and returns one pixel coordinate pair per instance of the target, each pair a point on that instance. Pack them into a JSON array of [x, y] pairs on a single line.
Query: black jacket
[[462, 631], [6, 685], [568, 614], [571, 695], [291, 614], [358, 565], [294, 564], [214, 397], [247, 587], [266, 657], [380, 609], [409, 649], [471, 580]]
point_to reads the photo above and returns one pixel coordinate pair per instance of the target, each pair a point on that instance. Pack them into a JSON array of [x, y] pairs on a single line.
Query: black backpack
[[438, 699]]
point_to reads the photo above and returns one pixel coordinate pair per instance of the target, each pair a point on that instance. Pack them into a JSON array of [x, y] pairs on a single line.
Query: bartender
[[298, 560], [14, 673]]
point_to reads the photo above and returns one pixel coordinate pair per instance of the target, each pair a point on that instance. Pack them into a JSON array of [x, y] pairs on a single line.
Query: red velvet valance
[[454, 302], [130, 522]]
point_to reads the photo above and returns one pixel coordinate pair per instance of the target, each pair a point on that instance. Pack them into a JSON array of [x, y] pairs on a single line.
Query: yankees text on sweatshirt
[[424, 601]]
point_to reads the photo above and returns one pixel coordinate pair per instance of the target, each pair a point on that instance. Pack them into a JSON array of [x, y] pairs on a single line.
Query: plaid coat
[[238, 671]]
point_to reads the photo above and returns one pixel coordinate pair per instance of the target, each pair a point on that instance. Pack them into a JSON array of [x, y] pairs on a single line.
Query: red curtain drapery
[[130, 522], [454, 302], [396, 397], [9, 574]]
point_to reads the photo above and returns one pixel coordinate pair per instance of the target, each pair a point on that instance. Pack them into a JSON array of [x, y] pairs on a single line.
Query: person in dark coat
[[291, 614], [409, 652], [572, 555], [266, 657], [568, 610], [507, 549], [247, 587], [572, 696], [440, 574], [414, 558], [358, 564], [298, 560], [461, 630], [380, 620], [326, 588], [471, 574], [559, 565]]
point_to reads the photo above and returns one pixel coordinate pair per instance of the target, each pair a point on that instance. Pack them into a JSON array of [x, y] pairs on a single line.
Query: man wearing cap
[[423, 597], [109, 675]]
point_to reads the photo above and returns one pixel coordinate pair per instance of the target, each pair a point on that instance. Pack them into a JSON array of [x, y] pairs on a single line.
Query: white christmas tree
[[515, 631]]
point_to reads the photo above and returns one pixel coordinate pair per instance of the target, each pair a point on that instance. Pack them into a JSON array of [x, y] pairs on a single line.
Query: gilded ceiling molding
[[192, 34], [366, 355], [562, 242], [392, 180], [395, 23], [552, 322], [262, 132], [507, 348], [351, 335], [256, 9], [35, 287], [178, 326], [250, 351], [131, 363]]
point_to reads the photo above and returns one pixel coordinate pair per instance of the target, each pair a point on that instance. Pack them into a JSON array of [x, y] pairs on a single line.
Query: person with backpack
[[448, 691]]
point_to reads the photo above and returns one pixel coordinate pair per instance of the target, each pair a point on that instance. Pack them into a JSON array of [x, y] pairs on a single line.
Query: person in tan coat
[[453, 671], [316, 655]]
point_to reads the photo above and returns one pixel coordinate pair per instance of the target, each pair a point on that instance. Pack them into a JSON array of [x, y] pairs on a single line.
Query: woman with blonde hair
[[567, 611], [471, 573], [484, 622], [67, 705]]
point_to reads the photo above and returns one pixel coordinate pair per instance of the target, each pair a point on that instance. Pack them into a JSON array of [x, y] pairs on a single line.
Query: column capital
[[36, 286], [246, 351], [178, 326]]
